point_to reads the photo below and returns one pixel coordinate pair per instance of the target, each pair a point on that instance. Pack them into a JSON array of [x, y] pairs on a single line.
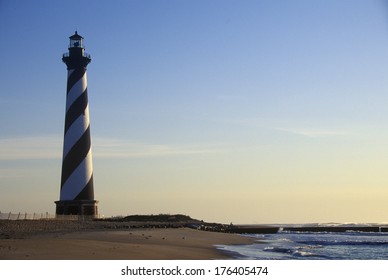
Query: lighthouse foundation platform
[[85, 208]]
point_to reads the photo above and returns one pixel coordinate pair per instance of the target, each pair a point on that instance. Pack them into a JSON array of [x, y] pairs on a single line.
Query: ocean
[[287, 245]]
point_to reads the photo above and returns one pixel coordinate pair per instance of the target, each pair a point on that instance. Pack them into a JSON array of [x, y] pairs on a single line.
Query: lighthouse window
[[75, 44]]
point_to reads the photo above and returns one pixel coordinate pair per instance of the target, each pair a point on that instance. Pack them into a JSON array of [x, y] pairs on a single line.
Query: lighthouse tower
[[77, 192]]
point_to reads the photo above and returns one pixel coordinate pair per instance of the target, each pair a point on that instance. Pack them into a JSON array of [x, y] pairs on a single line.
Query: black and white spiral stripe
[[77, 168]]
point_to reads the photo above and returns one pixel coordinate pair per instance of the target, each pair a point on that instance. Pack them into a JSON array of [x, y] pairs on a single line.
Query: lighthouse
[[77, 191]]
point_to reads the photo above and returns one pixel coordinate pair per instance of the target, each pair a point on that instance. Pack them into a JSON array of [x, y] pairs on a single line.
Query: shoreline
[[91, 241]]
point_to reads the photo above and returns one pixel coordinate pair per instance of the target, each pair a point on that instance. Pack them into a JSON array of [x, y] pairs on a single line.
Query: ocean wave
[[306, 254], [317, 246], [278, 250], [296, 252], [350, 224], [343, 242]]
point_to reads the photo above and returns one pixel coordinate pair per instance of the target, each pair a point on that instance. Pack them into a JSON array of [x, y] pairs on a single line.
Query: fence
[[42, 216], [25, 216]]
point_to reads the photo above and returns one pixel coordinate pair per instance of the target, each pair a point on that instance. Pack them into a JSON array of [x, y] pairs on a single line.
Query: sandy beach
[[74, 241]]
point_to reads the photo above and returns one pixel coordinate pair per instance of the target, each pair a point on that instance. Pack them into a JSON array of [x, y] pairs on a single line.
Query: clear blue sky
[[229, 111]]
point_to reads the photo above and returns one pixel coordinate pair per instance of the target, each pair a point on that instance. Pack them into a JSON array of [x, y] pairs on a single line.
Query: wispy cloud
[[287, 127], [31, 147], [119, 148], [315, 133], [50, 147]]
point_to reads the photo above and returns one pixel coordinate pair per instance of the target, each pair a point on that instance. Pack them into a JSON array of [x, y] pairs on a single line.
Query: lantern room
[[76, 57], [76, 41]]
